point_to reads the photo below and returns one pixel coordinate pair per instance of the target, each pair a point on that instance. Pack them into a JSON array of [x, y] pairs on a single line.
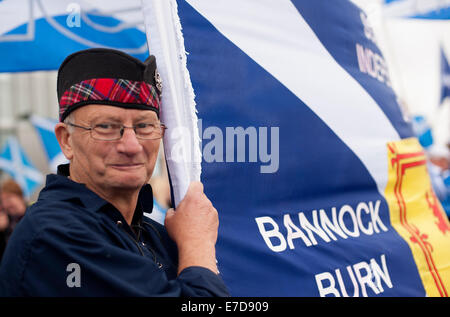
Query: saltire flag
[[15, 162], [45, 129], [418, 9], [321, 186], [445, 76], [39, 34], [422, 131]]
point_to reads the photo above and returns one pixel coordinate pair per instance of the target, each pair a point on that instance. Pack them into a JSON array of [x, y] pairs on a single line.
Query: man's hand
[[194, 226]]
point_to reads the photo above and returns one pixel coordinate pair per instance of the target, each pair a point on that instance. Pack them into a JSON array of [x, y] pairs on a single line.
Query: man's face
[[125, 164]]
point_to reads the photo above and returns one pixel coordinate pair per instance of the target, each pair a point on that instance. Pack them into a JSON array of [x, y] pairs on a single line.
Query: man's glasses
[[113, 131]]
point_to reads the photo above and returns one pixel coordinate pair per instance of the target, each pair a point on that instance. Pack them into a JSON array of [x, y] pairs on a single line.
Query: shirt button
[[143, 244]]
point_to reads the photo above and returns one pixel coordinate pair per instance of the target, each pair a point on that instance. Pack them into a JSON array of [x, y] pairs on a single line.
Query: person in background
[[13, 203], [12, 210]]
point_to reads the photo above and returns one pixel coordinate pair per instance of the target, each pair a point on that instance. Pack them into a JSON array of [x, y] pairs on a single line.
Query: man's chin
[[126, 179], [131, 181]]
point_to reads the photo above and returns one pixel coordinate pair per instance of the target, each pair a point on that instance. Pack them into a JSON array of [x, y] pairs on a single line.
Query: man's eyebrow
[[145, 117], [96, 118]]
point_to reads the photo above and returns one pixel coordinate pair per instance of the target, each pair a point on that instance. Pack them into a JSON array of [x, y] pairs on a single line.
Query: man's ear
[[64, 139]]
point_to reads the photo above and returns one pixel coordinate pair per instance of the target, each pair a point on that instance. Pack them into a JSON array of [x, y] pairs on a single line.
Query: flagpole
[[182, 140]]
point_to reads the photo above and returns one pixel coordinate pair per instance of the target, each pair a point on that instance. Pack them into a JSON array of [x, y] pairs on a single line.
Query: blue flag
[[14, 161], [45, 130], [418, 9], [320, 184], [38, 35], [445, 76]]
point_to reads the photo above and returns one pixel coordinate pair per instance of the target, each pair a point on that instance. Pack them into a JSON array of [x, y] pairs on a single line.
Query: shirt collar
[[60, 187]]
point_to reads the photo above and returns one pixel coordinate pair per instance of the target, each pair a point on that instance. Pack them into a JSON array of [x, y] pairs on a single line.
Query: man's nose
[[129, 143]]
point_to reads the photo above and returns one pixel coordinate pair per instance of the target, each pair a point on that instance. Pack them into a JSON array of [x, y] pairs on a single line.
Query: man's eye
[[106, 126], [144, 125]]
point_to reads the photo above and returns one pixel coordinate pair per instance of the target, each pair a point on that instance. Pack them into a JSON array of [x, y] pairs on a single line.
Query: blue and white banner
[[15, 162], [321, 187], [45, 129], [39, 34], [419, 9]]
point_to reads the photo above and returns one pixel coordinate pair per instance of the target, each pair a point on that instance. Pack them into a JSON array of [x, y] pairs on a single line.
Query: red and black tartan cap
[[107, 77]]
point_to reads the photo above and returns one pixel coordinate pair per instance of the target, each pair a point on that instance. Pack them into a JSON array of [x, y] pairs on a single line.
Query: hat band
[[113, 91]]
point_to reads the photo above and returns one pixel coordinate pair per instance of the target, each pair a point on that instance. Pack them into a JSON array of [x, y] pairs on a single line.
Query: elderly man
[[87, 234]]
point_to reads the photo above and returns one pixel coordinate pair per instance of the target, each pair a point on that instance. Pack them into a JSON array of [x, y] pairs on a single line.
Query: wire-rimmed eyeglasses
[[114, 131]]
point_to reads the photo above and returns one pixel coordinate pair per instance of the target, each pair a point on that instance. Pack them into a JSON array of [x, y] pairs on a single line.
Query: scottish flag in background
[[45, 129], [418, 9], [39, 34], [15, 162]]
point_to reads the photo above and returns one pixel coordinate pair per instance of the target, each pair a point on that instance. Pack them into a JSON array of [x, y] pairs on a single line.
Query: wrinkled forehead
[[97, 113]]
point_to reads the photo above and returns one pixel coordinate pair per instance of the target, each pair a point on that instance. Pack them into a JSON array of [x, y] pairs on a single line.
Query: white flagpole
[[178, 112]]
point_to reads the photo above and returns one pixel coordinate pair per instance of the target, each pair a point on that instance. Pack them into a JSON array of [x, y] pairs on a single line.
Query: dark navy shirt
[[71, 242]]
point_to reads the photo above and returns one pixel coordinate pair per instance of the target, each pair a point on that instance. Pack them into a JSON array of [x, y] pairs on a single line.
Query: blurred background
[[414, 39]]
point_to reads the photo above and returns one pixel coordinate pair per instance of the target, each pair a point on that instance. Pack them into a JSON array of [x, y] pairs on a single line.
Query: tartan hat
[[107, 77]]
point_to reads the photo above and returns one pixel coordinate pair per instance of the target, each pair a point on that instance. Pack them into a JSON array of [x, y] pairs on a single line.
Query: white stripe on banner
[[272, 33]]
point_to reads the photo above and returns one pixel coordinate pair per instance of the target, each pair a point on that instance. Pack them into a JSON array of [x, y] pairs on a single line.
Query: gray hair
[[67, 120]]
